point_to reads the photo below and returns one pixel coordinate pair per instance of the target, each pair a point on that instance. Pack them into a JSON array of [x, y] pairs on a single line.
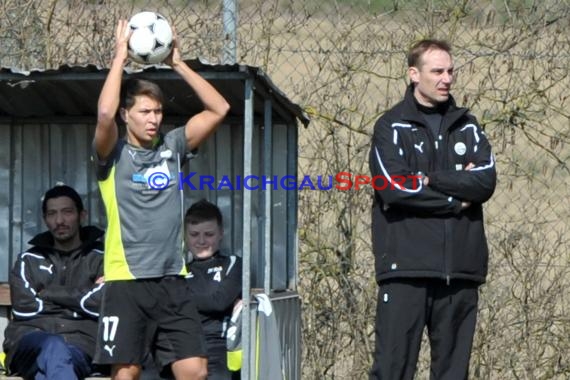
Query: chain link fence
[[344, 63]]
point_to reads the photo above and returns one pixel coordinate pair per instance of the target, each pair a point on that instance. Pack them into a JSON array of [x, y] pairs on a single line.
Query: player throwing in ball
[[145, 302]]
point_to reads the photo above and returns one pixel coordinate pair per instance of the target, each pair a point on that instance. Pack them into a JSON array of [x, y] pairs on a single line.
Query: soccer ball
[[151, 40]]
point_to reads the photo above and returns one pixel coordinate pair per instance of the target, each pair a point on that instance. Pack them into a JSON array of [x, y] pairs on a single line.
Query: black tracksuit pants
[[405, 307]]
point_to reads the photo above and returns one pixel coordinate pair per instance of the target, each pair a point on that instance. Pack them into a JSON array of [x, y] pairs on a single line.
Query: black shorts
[[148, 316]]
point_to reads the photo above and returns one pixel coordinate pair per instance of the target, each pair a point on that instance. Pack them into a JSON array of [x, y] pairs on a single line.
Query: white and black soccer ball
[[151, 38]]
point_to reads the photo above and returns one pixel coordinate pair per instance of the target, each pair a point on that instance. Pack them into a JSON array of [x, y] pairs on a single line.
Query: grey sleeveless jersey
[[144, 209]]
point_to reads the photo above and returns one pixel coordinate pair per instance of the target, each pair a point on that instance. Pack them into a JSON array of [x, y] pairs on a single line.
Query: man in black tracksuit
[[55, 290], [214, 281], [434, 168]]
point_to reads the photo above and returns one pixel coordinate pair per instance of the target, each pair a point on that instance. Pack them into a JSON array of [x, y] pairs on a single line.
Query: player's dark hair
[[62, 191], [203, 211], [419, 48], [134, 87]]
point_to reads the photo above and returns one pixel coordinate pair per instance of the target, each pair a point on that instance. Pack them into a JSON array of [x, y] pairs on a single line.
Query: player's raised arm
[[201, 125], [106, 132]]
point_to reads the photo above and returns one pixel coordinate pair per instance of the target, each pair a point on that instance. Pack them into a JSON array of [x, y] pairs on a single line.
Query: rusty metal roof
[[72, 91]]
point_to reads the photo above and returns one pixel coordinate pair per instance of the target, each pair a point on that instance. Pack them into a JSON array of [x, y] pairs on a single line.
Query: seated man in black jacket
[[55, 289], [214, 280]]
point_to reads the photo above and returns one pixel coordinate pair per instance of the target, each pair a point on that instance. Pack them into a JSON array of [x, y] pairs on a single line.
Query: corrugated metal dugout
[[47, 119]]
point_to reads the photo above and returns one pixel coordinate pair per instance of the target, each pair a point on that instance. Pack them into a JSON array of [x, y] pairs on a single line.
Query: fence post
[[229, 17]]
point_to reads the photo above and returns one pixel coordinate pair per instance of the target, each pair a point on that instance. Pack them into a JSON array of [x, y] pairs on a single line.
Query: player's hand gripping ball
[[151, 38]]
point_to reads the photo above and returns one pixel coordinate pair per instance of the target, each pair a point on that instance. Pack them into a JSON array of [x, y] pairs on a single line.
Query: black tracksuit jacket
[[215, 285], [420, 231], [55, 292]]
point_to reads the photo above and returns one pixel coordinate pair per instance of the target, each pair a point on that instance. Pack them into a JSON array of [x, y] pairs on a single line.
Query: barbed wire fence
[[344, 63]]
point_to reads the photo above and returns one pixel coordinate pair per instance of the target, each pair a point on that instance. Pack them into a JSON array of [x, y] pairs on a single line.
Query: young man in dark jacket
[[55, 290], [214, 281], [434, 169]]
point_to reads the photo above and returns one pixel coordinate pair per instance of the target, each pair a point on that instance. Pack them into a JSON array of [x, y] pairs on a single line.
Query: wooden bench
[[5, 295]]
